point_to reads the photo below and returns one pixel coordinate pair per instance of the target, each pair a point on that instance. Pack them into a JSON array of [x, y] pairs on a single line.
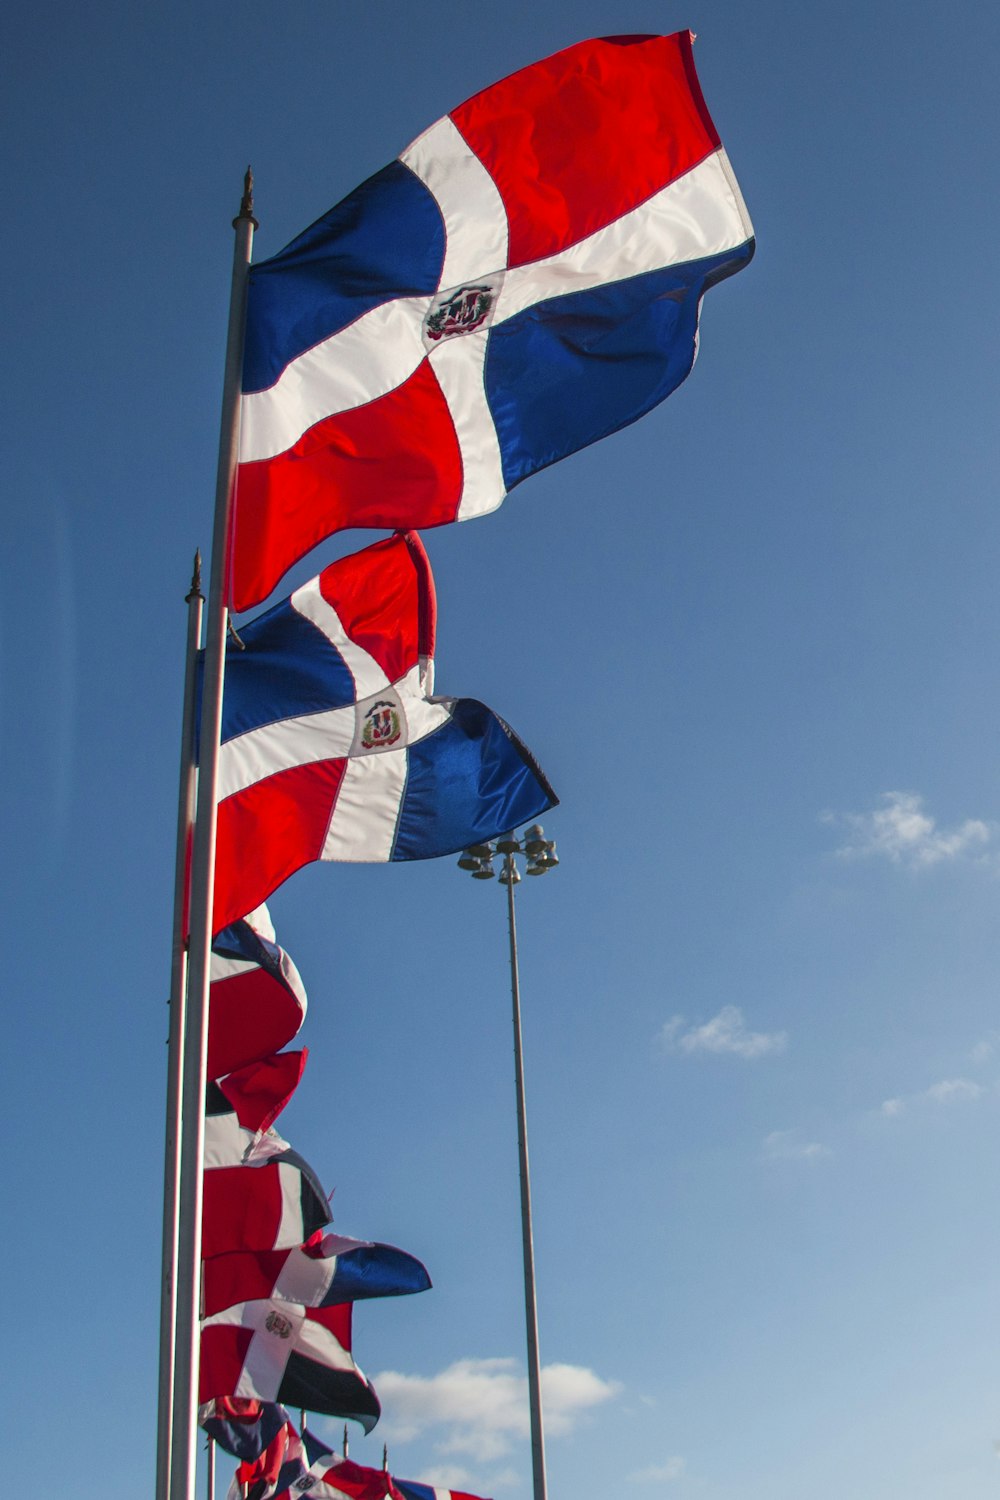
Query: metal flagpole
[[210, 1464], [530, 1305], [175, 1041], [183, 1440]]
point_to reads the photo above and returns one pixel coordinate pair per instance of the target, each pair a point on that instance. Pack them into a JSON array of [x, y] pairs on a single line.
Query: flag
[[325, 1270], [410, 1490], [258, 1193], [277, 1467], [525, 279], [281, 1351], [241, 1426], [251, 1099], [332, 747], [257, 1002], [331, 1477]]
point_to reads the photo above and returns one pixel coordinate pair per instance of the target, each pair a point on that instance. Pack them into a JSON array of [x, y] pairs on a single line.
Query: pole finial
[[246, 202], [345, 1439], [195, 590], [385, 1458]]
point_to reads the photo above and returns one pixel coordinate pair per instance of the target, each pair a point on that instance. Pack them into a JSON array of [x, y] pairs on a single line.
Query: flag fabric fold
[[332, 1477], [274, 1470], [242, 1427], [326, 1270], [258, 1093], [257, 1002], [525, 279], [410, 1490], [281, 1351], [259, 1194], [333, 747]]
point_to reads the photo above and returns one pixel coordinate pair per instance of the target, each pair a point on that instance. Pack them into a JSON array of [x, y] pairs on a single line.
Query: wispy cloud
[[902, 832], [948, 1091], [985, 1049], [788, 1145], [725, 1033], [478, 1406], [663, 1473]]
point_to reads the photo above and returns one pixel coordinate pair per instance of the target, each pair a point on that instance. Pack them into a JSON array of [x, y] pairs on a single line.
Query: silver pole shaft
[[175, 1040], [184, 1451], [527, 1244], [210, 1466]]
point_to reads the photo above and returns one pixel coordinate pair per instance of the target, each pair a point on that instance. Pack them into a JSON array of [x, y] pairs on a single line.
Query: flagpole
[[527, 1243], [175, 1041], [183, 1437]]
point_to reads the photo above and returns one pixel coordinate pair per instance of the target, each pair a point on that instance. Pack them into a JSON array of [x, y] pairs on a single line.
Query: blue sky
[[752, 640]]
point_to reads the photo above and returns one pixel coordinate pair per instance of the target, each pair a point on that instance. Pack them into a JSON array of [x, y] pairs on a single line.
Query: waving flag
[[412, 1491], [525, 279], [243, 1427], [258, 1002], [325, 1270], [332, 747], [252, 1099], [278, 1466], [280, 1351], [259, 1194], [330, 1477]]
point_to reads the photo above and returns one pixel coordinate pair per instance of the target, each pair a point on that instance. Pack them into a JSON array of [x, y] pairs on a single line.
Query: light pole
[[540, 854]]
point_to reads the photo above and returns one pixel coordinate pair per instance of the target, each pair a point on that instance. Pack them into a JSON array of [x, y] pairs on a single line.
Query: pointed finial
[[345, 1439], [385, 1458], [246, 202], [195, 590]]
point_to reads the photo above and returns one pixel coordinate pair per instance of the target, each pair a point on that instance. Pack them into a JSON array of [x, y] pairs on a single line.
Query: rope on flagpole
[[183, 1445]]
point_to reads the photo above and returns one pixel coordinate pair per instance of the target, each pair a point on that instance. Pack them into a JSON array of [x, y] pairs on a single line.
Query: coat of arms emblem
[[277, 1324], [381, 726], [461, 311]]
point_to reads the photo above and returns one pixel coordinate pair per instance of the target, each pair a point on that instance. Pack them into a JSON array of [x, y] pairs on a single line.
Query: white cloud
[[447, 1476], [787, 1145], [480, 1405], [984, 1050], [948, 1091], [659, 1473], [725, 1033], [954, 1090], [901, 831]]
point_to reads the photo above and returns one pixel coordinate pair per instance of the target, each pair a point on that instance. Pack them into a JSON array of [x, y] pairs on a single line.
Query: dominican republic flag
[[257, 1001], [525, 279], [411, 1491], [330, 1477], [242, 1427], [327, 1269], [333, 747], [249, 1101], [280, 1351], [273, 1470], [258, 1193], [282, 1462]]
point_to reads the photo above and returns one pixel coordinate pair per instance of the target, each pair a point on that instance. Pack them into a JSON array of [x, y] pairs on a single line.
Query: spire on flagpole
[[195, 590], [246, 202]]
